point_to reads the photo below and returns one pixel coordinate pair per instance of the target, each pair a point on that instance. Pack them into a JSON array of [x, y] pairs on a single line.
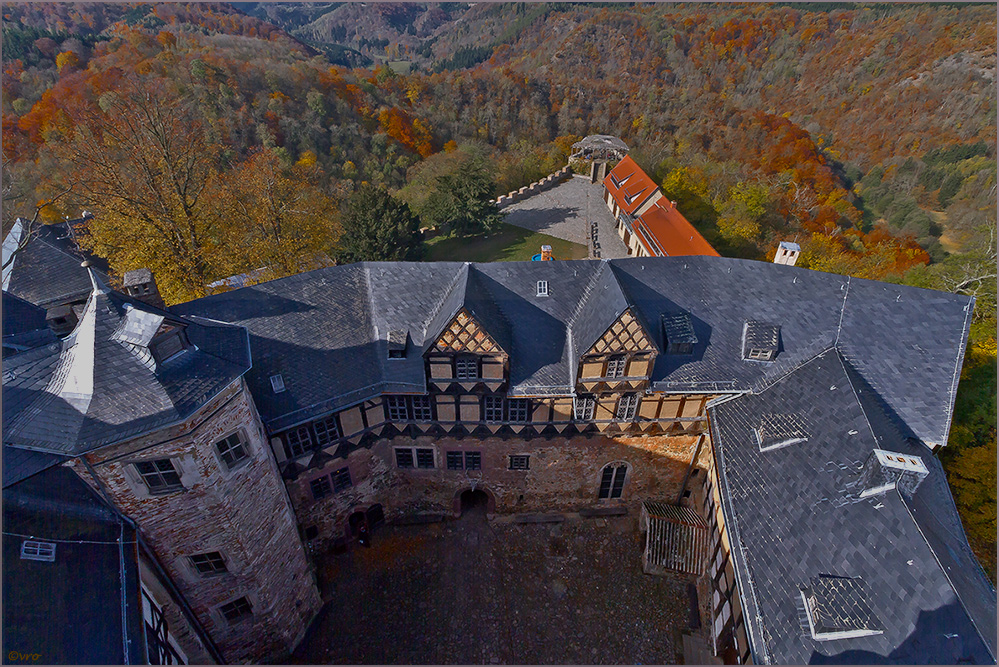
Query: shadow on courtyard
[[471, 591]]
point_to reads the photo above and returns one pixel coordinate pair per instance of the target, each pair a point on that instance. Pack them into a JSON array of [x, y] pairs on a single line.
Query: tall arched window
[[612, 479]]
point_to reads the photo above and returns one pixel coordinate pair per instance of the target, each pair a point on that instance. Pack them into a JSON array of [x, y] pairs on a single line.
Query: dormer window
[[838, 608], [397, 339], [170, 341], [760, 340], [616, 366], [678, 332], [277, 383], [466, 368], [542, 288], [777, 431]]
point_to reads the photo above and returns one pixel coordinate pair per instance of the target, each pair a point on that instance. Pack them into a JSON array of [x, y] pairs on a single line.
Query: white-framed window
[[612, 480], [520, 462], [299, 441], [518, 409], [542, 288], [582, 407], [492, 409], [277, 383], [414, 457], [421, 409], [232, 450], [616, 366], [38, 550], [208, 564], [466, 368], [626, 407], [159, 475], [396, 408], [327, 431], [762, 355]]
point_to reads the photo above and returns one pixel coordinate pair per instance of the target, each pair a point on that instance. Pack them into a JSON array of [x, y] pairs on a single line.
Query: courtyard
[[472, 591]]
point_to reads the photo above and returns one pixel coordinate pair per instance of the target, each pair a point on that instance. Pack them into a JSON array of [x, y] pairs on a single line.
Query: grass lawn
[[507, 244]]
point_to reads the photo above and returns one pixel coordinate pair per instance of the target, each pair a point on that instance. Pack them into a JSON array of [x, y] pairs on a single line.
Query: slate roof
[[24, 325], [326, 331], [95, 387], [47, 271], [70, 610], [928, 594]]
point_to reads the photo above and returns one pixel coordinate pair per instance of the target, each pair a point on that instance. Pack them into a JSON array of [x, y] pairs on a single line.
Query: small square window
[[36, 550], [341, 480], [520, 462], [582, 408], [542, 288], [517, 409], [320, 487], [396, 408], [492, 409], [627, 406], [424, 458], [327, 431], [404, 458], [209, 563], [277, 383], [232, 450], [299, 441], [236, 609], [455, 461], [466, 368], [160, 476], [616, 366], [473, 461], [421, 409]]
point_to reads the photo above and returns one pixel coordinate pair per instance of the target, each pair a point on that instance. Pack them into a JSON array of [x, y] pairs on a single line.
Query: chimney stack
[[546, 253], [884, 471], [141, 285], [787, 253]]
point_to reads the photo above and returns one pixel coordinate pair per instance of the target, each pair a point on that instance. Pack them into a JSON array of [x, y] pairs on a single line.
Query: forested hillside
[[214, 139]]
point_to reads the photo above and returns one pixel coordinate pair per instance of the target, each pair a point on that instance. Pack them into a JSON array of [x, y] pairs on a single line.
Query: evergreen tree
[[463, 200], [378, 227]]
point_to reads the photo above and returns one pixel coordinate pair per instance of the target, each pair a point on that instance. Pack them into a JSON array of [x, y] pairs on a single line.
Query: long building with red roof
[[649, 224]]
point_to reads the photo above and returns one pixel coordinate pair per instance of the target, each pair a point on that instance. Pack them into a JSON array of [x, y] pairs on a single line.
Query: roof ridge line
[[842, 311], [958, 364], [766, 383], [450, 288]]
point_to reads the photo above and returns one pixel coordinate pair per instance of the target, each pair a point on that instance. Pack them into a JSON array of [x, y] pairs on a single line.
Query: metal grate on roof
[[677, 538]]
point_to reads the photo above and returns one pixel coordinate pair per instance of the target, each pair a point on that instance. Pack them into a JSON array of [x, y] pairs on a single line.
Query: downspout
[[690, 467], [165, 579]]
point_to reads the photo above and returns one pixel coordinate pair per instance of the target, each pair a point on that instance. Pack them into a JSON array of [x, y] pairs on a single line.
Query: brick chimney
[[141, 285]]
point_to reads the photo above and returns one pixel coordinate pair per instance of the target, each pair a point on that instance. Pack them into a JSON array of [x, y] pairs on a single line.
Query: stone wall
[[243, 513], [564, 475], [546, 183]]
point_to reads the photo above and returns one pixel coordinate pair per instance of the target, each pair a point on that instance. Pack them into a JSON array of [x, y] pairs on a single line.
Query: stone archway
[[467, 498]]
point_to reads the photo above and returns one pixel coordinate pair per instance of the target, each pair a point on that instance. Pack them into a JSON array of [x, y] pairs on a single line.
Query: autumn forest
[[210, 140]]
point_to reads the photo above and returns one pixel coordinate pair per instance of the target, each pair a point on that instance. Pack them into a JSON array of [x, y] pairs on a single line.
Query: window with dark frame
[[424, 458], [616, 366], [466, 368], [232, 450], [327, 431], [404, 458], [455, 461], [320, 487], [396, 408], [520, 462], [299, 441], [473, 461], [209, 563], [341, 480], [464, 461], [582, 407], [492, 409], [237, 609], [612, 480], [421, 409], [517, 409], [160, 476], [627, 406], [169, 346]]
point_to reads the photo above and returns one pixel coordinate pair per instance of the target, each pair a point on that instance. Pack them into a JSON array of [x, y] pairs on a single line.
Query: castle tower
[[153, 411]]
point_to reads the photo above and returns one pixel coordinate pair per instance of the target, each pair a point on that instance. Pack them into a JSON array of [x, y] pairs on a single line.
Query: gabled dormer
[[152, 337], [621, 358], [760, 341]]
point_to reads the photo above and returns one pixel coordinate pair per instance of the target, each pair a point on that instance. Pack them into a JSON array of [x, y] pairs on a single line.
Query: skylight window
[[36, 550], [838, 608], [542, 288], [277, 383], [778, 431]]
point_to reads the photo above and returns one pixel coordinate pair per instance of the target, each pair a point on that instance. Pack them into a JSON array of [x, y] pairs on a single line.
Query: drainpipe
[[165, 579], [690, 467]]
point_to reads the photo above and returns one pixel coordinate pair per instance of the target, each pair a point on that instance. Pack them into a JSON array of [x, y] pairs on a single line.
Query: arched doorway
[[478, 499], [354, 521]]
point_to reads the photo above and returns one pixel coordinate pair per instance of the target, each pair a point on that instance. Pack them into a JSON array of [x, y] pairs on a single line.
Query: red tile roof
[[666, 233], [629, 185]]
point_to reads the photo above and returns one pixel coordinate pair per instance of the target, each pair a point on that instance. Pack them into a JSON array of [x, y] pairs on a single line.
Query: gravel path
[[476, 592], [567, 211]]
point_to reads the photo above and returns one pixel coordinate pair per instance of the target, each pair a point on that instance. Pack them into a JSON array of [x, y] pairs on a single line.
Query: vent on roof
[[277, 383], [542, 288], [36, 550], [776, 431], [760, 341], [838, 608], [397, 343], [886, 470], [678, 331]]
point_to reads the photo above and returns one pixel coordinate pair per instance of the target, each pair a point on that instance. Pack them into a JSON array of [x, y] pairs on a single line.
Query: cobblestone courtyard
[[475, 592]]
